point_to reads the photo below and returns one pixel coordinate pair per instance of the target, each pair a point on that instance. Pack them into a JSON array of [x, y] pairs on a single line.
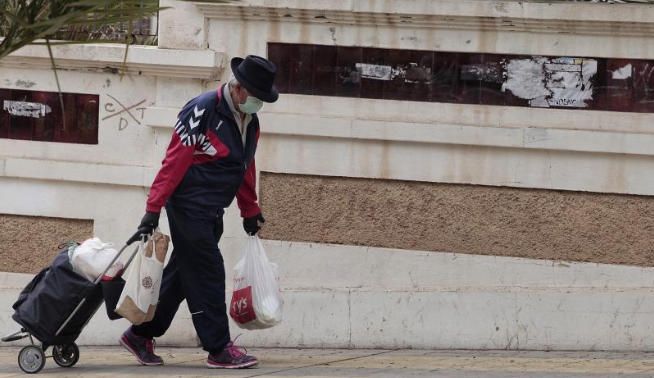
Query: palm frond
[[23, 22], [54, 69]]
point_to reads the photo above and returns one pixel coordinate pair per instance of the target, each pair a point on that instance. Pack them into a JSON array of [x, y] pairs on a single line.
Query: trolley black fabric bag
[[111, 291], [51, 297]]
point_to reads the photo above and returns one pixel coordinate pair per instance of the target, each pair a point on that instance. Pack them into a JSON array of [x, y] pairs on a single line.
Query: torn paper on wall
[[622, 73], [410, 73], [525, 78], [26, 109], [569, 80], [545, 82], [374, 71], [487, 72]]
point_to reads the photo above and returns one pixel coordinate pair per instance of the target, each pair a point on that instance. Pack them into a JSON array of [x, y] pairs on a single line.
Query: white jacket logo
[[193, 122]]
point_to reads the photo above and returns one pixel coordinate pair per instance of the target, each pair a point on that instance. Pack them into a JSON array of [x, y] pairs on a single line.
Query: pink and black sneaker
[[142, 348], [232, 357]]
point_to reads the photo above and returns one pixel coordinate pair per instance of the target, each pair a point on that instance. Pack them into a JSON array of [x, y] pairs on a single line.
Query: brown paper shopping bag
[[139, 298]]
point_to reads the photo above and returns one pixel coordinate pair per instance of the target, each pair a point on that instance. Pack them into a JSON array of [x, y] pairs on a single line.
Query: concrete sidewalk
[[321, 363]]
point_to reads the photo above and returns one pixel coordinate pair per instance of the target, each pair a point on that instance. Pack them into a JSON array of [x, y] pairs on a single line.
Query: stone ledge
[[141, 60], [462, 114], [315, 266], [577, 18], [45, 169], [594, 141]]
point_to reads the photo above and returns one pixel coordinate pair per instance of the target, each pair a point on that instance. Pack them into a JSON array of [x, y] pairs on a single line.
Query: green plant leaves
[[24, 22]]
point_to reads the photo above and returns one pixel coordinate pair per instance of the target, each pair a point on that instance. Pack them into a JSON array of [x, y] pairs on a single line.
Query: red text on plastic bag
[[241, 308]]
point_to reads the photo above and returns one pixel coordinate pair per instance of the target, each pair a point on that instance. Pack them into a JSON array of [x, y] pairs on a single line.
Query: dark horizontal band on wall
[[530, 223], [38, 116], [625, 85]]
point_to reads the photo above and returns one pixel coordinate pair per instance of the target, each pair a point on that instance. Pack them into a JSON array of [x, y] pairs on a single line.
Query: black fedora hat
[[257, 75]]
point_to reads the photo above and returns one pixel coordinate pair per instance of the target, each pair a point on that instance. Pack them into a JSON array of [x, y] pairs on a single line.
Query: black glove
[[251, 224], [149, 222]]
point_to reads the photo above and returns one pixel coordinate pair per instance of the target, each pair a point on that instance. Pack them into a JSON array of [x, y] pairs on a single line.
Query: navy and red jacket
[[206, 163]]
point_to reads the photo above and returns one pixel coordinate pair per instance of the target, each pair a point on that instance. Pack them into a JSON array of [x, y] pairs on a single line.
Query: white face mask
[[251, 105]]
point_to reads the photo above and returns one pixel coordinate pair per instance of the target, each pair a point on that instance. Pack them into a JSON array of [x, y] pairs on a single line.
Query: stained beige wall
[[28, 244], [543, 224]]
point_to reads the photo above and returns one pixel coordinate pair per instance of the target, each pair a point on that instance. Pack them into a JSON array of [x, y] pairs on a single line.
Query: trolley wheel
[[31, 359], [65, 355]]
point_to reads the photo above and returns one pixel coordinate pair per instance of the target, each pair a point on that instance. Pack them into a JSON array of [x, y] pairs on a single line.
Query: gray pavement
[[328, 363]]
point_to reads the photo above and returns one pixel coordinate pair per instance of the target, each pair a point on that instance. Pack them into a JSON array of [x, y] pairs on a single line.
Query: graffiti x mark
[[126, 109]]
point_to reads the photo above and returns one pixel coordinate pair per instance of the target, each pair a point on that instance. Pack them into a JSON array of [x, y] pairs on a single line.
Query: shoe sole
[[133, 352], [239, 366]]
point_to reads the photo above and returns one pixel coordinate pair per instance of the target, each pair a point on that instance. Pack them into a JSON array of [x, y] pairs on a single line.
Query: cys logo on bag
[[240, 306], [241, 309], [147, 282]]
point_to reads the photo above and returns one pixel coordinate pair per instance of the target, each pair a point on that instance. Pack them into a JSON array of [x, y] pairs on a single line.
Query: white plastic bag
[[91, 258], [256, 300], [138, 300]]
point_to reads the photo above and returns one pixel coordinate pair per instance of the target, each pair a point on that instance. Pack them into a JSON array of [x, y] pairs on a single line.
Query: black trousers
[[195, 272]]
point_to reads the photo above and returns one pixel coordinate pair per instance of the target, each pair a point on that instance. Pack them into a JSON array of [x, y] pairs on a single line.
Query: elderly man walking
[[210, 160]]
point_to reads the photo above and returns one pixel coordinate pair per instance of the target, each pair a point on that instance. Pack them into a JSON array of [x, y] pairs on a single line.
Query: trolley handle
[[137, 236]]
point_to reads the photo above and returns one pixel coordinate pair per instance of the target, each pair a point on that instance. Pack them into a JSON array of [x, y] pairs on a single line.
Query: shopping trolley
[[54, 308]]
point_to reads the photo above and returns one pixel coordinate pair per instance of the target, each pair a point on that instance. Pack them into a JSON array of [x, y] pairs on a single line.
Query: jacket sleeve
[[246, 197], [179, 156]]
